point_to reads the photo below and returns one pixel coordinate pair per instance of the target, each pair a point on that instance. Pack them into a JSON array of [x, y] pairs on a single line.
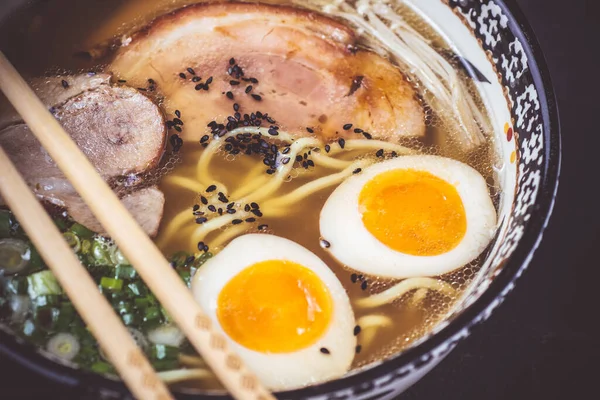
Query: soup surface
[[215, 192]]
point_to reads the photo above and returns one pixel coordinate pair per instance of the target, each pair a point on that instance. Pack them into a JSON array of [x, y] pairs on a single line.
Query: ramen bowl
[[497, 49]]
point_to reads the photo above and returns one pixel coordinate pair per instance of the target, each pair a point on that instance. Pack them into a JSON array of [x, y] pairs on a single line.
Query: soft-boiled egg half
[[282, 309], [410, 216]]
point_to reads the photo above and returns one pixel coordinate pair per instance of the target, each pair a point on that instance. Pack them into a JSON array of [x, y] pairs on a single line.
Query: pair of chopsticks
[[148, 261]]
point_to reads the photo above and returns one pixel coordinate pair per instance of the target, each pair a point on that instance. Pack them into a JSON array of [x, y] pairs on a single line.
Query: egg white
[[353, 245], [282, 370]]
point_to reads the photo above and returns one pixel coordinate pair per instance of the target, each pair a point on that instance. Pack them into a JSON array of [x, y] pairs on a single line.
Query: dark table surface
[[539, 343]]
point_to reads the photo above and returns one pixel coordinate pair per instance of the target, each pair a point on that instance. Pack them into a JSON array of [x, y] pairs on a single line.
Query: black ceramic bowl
[[511, 75]]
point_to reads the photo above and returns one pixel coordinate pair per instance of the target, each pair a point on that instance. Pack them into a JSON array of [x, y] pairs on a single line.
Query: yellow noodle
[[419, 296], [203, 230], [184, 182], [202, 168], [396, 291], [180, 375], [283, 171], [366, 144], [329, 162], [174, 225], [315, 186], [191, 361], [369, 325], [228, 234]]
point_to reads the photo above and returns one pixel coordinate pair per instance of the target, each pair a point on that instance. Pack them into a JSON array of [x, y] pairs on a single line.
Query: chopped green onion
[[130, 319], [185, 275], [125, 272], [42, 283], [163, 352], [14, 256], [86, 246], [46, 300], [61, 223], [201, 259], [111, 284], [66, 315], [81, 231], [117, 257], [179, 259], [165, 365], [100, 252], [152, 313], [137, 288], [101, 367], [73, 241], [17, 285], [6, 224], [63, 345]]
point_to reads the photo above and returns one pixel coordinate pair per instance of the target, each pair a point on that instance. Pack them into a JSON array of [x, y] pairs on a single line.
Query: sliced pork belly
[[119, 129], [304, 67], [146, 205], [54, 91]]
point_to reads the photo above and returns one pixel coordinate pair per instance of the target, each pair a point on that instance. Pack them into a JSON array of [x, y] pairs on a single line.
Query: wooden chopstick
[[93, 308], [149, 262]]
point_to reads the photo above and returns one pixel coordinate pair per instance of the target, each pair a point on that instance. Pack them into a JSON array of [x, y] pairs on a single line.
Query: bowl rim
[[27, 355]]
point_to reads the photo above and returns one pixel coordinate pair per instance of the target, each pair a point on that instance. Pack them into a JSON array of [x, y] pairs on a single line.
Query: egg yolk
[[275, 306], [413, 212]]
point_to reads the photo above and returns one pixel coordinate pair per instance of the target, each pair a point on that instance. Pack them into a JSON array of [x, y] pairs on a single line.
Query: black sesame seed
[[247, 207], [212, 208], [201, 220], [204, 200], [358, 130], [270, 171], [356, 171], [379, 153], [191, 71], [353, 278], [327, 148], [361, 277], [305, 156], [141, 89], [325, 244], [220, 210], [196, 207], [196, 79], [199, 86], [251, 219], [122, 81], [177, 128], [347, 127], [273, 132], [234, 83], [230, 205], [310, 163], [201, 246], [182, 75], [310, 130], [298, 158], [367, 135], [342, 142], [209, 81], [363, 285], [204, 138], [254, 205], [253, 80], [231, 211], [256, 97], [286, 150], [248, 89], [258, 213], [394, 154], [263, 227], [64, 84], [229, 95], [358, 349], [223, 198], [236, 107], [304, 164], [236, 221], [177, 121], [285, 160], [189, 260], [211, 188], [356, 330], [231, 61], [178, 113], [324, 350]]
